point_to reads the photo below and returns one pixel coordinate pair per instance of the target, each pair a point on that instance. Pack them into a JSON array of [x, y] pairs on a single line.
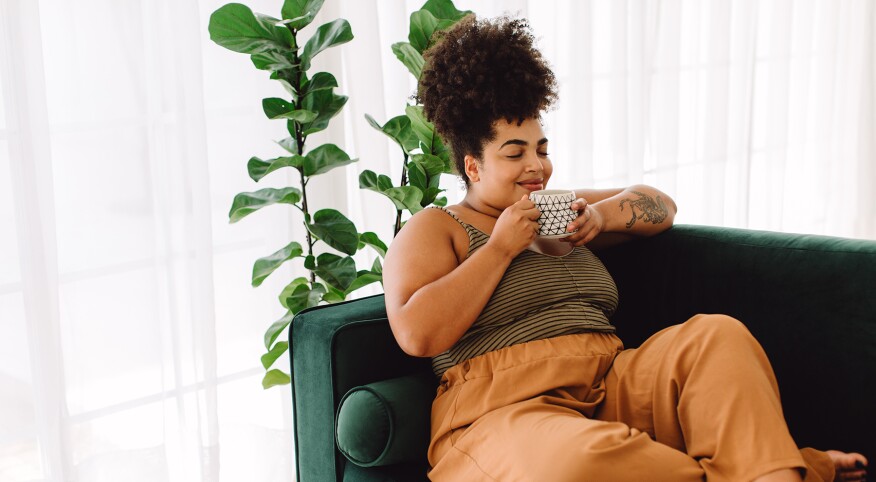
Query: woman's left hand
[[589, 223]]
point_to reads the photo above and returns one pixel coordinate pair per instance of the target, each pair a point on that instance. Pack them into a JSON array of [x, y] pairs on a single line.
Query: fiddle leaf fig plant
[[275, 45], [424, 155]]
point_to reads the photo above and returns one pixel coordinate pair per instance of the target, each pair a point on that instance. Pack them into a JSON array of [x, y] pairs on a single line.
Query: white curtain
[[130, 333]]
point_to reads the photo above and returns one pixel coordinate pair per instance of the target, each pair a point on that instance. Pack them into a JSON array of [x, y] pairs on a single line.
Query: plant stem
[[404, 182], [299, 141]]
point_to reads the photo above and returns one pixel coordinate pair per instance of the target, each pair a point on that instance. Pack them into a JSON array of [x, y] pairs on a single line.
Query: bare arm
[[431, 298], [610, 216]]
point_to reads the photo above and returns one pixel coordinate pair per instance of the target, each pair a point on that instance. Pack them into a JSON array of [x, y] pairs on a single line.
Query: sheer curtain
[[130, 334]]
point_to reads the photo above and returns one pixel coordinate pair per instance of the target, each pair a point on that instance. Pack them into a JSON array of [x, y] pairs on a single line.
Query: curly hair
[[478, 72]]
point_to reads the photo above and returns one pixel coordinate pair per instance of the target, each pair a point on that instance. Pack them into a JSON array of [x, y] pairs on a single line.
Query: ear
[[471, 168]]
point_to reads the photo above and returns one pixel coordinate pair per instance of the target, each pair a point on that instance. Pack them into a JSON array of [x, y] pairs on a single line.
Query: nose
[[534, 163]]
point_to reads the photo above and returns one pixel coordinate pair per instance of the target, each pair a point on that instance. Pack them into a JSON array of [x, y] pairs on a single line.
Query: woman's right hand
[[516, 227]]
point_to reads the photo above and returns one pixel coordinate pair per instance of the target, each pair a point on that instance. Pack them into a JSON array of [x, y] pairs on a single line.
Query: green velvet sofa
[[809, 300]]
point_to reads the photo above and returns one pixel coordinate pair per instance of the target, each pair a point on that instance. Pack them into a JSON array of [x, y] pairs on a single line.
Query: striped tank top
[[539, 296]]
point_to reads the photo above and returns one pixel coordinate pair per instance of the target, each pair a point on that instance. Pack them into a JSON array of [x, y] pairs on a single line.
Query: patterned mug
[[555, 211]]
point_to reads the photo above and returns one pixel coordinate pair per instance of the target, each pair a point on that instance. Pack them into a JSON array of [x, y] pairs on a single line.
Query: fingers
[[578, 204], [849, 466], [528, 207], [584, 214], [852, 469], [583, 236]]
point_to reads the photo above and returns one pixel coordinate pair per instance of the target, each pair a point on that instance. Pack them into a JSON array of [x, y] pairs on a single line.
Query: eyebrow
[[521, 142]]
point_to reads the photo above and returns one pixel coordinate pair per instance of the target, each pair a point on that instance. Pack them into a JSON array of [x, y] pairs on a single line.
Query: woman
[[534, 383]]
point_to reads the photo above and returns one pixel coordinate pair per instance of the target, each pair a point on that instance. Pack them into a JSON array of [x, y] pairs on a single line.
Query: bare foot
[[849, 467]]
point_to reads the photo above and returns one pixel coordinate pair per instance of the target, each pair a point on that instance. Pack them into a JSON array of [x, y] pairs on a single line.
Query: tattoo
[[651, 211]]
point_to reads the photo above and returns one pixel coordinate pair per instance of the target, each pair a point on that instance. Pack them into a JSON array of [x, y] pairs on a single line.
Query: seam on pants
[[766, 468], [475, 462], [453, 416]]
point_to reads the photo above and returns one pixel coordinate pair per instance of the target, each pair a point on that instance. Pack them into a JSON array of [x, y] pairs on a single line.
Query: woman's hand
[[515, 228], [589, 223]]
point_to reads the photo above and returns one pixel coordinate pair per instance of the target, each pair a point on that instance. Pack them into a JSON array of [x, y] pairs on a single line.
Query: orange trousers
[[696, 400]]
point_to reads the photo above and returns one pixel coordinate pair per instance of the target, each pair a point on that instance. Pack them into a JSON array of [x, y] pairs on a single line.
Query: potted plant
[[275, 45]]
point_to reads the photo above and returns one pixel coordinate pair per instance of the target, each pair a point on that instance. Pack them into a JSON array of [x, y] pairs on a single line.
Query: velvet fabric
[[385, 422]]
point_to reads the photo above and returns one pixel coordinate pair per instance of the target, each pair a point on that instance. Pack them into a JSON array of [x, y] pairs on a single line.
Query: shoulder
[[425, 249], [432, 221], [432, 229]]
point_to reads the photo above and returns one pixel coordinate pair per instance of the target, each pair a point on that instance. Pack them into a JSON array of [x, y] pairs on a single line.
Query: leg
[[706, 388], [522, 414], [544, 439]]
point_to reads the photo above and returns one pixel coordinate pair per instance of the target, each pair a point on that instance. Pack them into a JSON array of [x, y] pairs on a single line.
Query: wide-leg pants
[[696, 400]]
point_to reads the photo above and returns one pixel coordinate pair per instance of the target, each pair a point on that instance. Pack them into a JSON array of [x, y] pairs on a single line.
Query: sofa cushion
[[386, 422]]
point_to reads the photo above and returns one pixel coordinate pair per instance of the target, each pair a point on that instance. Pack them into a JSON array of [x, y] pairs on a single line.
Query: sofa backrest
[[809, 300]]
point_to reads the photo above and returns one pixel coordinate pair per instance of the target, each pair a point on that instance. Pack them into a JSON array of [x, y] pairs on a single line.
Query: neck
[[473, 202]]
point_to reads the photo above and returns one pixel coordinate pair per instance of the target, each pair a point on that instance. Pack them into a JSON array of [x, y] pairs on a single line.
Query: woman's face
[[514, 163]]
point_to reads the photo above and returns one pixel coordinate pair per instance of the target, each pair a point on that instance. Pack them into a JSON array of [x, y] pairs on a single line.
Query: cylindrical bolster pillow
[[386, 422]]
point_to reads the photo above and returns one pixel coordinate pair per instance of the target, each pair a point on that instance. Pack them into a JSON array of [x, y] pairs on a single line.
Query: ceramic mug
[[556, 213]]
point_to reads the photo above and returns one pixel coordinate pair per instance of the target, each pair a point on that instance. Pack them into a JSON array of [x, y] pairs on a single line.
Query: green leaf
[[432, 165], [275, 377], [371, 239], [429, 195], [263, 267], [325, 158], [333, 295], [300, 116], [444, 10], [423, 129], [249, 202], [364, 278], [423, 25], [271, 356], [301, 12], [370, 180], [320, 81], [305, 297], [377, 267], [235, 27], [417, 176], [336, 230], [290, 145], [277, 328], [272, 60], [435, 181], [328, 35], [289, 88], [276, 108], [398, 129], [335, 270], [258, 168], [409, 56], [441, 201], [289, 290], [406, 197], [326, 104]]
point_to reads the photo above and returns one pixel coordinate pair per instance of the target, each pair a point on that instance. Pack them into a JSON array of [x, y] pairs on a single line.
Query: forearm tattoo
[[648, 209]]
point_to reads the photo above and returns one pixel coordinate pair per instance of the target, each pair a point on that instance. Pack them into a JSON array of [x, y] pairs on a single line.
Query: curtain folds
[[131, 334]]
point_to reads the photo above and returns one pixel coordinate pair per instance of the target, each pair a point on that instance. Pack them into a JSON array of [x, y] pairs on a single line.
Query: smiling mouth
[[532, 185]]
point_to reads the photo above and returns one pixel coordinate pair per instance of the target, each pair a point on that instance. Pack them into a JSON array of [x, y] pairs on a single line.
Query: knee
[[721, 329]]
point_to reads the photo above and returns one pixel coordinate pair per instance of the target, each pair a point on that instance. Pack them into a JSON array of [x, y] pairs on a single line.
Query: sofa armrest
[[334, 348], [387, 422]]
